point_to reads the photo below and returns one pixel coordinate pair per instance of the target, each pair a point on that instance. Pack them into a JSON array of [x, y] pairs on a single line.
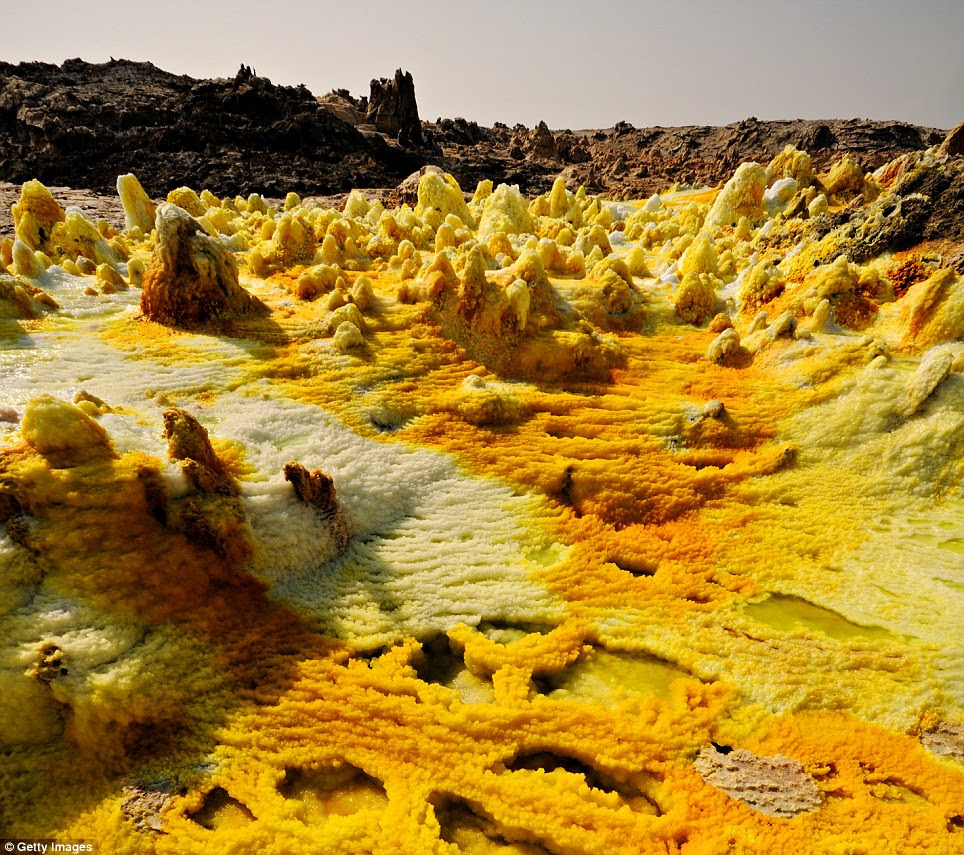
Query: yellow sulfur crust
[[507, 525]]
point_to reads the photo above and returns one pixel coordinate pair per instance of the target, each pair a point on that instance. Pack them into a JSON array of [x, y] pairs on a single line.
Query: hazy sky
[[573, 64]]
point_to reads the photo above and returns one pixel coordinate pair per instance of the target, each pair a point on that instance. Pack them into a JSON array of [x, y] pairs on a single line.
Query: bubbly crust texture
[[491, 524]]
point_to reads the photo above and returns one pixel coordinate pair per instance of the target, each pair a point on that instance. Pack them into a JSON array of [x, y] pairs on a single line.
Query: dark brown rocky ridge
[[81, 125]]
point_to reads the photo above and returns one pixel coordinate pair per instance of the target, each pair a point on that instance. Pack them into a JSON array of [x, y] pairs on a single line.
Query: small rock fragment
[[713, 410], [777, 786], [945, 738], [313, 488], [934, 367], [212, 516], [317, 489], [188, 442], [144, 803]]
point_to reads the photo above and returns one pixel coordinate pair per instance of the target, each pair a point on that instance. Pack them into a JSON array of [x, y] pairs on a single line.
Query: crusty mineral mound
[[513, 324], [313, 488], [193, 278], [188, 442]]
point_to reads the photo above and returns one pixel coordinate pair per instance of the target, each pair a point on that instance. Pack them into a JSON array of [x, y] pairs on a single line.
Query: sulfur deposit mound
[[515, 324], [63, 432], [193, 278]]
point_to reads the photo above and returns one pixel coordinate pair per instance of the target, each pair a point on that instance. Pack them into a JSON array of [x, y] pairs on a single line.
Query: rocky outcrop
[[392, 108], [636, 162], [542, 144], [342, 104], [83, 124], [953, 144], [923, 199]]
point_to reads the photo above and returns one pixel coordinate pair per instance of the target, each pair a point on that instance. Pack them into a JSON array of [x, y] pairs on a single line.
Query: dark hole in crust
[[822, 776], [438, 663], [215, 802], [629, 792], [634, 567], [459, 822], [499, 630]]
